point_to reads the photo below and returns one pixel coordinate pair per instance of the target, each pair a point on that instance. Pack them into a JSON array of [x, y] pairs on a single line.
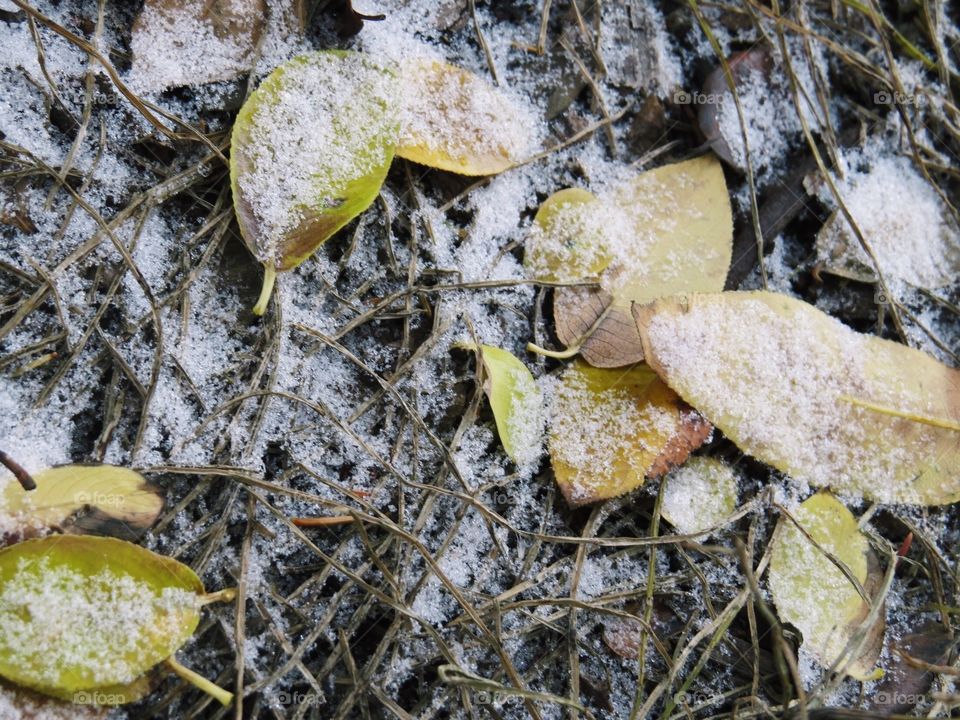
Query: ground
[[467, 588]]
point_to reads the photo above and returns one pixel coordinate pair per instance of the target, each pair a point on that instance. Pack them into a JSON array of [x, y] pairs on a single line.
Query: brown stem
[[322, 521], [23, 477]]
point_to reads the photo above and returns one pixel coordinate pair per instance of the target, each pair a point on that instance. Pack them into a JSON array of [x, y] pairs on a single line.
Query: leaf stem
[[925, 419], [557, 354], [225, 697], [23, 477], [269, 278], [225, 595]]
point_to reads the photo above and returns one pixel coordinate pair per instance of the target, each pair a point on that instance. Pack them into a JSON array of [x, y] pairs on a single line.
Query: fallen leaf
[[569, 237], [669, 230], [182, 42], [309, 152], [904, 684], [814, 595], [87, 615], [99, 499], [609, 429], [784, 381], [515, 401], [456, 121], [909, 228], [699, 494], [716, 93]]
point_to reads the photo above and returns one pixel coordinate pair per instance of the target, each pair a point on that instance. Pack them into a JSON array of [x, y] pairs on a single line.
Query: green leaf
[[454, 120], [804, 393], [309, 152], [699, 494], [84, 614], [100, 499], [817, 597], [515, 401]]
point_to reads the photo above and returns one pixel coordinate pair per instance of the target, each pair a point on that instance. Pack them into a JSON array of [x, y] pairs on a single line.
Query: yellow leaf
[[669, 230], [776, 375], [813, 594], [453, 120], [515, 401], [612, 428], [115, 500], [568, 240]]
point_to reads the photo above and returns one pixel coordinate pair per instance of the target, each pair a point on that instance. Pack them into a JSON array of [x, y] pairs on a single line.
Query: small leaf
[[83, 614], [777, 376], [699, 494], [309, 152], [669, 230], [568, 240], [516, 403], [454, 120], [611, 429], [182, 42], [814, 595], [101, 499]]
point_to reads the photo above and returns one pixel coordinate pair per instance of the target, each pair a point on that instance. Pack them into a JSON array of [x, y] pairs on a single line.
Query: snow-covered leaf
[[454, 120], [668, 230], [183, 42], [699, 494], [787, 384], [515, 401], [609, 429], [100, 499], [310, 150], [909, 228], [817, 597], [568, 239], [80, 614]]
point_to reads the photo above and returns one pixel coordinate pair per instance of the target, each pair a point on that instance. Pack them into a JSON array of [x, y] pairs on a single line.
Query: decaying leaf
[[669, 230], [814, 595], [19, 704], [910, 230], [309, 152], [99, 499], [515, 401], [81, 616], [181, 42], [715, 89], [609, 429], [907, 676], [699, 494], [454, 120], [785, 382]]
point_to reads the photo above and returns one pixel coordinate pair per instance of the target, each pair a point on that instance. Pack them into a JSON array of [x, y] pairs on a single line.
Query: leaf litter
[[458, 556]]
